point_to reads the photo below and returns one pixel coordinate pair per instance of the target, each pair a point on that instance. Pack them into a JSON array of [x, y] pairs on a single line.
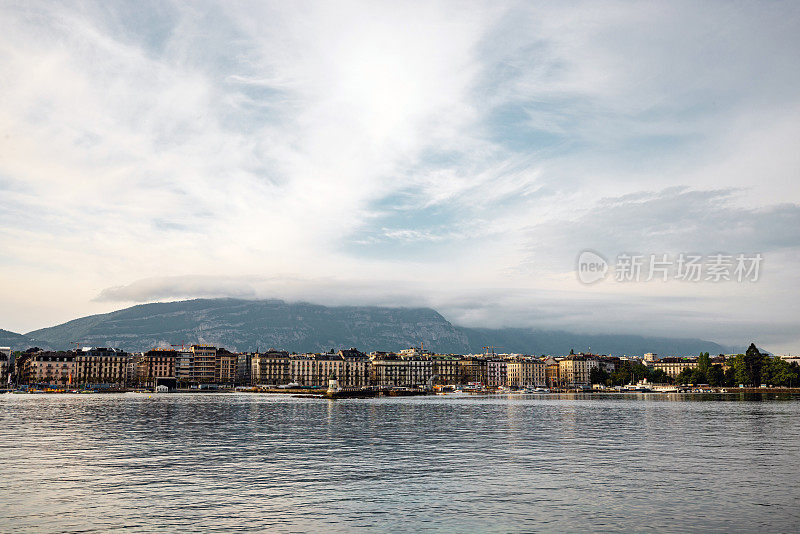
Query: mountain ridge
[[248, 325]]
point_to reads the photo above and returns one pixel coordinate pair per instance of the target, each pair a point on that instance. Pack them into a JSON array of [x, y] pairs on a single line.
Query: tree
[[753, 361], [740, 374], [730, 376], [685, 376], [598, 375], [659, 376], [715, 376], [698, 377], [778, 372], [704, 362]]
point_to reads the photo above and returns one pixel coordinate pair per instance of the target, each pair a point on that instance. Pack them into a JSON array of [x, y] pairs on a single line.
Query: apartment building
[[446, 368], [473, 370], [526, 372], [496, 373], [225, 368], [552, 374], [574, 370], [47, 367], [271, 368], [391, 370], [5, 363], [155, 365], [205, 364], [101, 366], [674, 366]]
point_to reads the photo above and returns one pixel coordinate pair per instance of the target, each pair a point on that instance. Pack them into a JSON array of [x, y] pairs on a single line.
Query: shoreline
[[324, 394]]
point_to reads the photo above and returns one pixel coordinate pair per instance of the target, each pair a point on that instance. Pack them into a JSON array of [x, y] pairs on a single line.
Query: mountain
[[15, 341], [559, 342], [260, 324]]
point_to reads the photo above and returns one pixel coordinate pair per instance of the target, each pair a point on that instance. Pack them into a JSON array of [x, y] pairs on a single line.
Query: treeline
[[750, 369]]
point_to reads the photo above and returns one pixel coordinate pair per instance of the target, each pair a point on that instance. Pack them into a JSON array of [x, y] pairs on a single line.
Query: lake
[[249, 462]]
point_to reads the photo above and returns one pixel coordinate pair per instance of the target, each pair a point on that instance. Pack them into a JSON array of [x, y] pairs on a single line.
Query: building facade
[[574, 370], [47, 367], [673, 366], [271, 368], [101, 366], [526, 372], [155, 365], [5, 365], [391, 370], [225, 368], [496, 373], [204, 364], [446, 368]]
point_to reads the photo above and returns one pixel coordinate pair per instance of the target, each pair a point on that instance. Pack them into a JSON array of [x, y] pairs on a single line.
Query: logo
[[591, 267]]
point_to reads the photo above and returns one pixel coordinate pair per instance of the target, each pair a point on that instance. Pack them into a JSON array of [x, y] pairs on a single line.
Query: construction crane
[[183, 343], [486, 349]]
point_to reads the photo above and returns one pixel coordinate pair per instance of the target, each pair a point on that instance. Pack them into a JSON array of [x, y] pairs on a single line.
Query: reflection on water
[[495, 463]]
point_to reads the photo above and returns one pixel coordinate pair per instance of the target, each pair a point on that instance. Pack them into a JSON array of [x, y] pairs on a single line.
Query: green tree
[[685, 376], [704, 362], [778, 372], [741, 376], [659, 376], [715, 376], [598, 376], [698, 377], [730, 376], [753, 361]]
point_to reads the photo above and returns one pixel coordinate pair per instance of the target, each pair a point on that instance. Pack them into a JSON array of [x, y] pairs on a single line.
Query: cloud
[[164, 150], [673, 220]]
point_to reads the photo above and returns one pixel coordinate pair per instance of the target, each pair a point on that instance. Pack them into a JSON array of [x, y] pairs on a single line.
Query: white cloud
[[413, 145]]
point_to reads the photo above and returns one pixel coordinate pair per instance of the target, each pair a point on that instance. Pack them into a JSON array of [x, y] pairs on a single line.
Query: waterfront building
[[552, 376], [5, 364], [354, 369], [650, 357], [156, 365], [473, 370], [526, 372], [312, 370], [184, 367], [496, 373], [47, 367], [271, 368], [674, 366], [609, 364], [446, 368], [350, 367], [244, 362], [205, 364], [101, 366], [391, 370], [225, 367], [574, 369]]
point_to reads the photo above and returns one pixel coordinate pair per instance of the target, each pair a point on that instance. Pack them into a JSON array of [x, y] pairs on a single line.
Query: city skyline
[[454, 156]]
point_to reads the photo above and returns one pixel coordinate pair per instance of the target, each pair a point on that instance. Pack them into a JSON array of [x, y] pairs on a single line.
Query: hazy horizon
[[447, 155]]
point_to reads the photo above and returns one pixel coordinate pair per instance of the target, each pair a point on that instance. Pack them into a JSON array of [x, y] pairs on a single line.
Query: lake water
[[246, 462]]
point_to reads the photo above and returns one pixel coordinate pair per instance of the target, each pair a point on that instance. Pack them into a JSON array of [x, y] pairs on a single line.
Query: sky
[[458, 155]]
